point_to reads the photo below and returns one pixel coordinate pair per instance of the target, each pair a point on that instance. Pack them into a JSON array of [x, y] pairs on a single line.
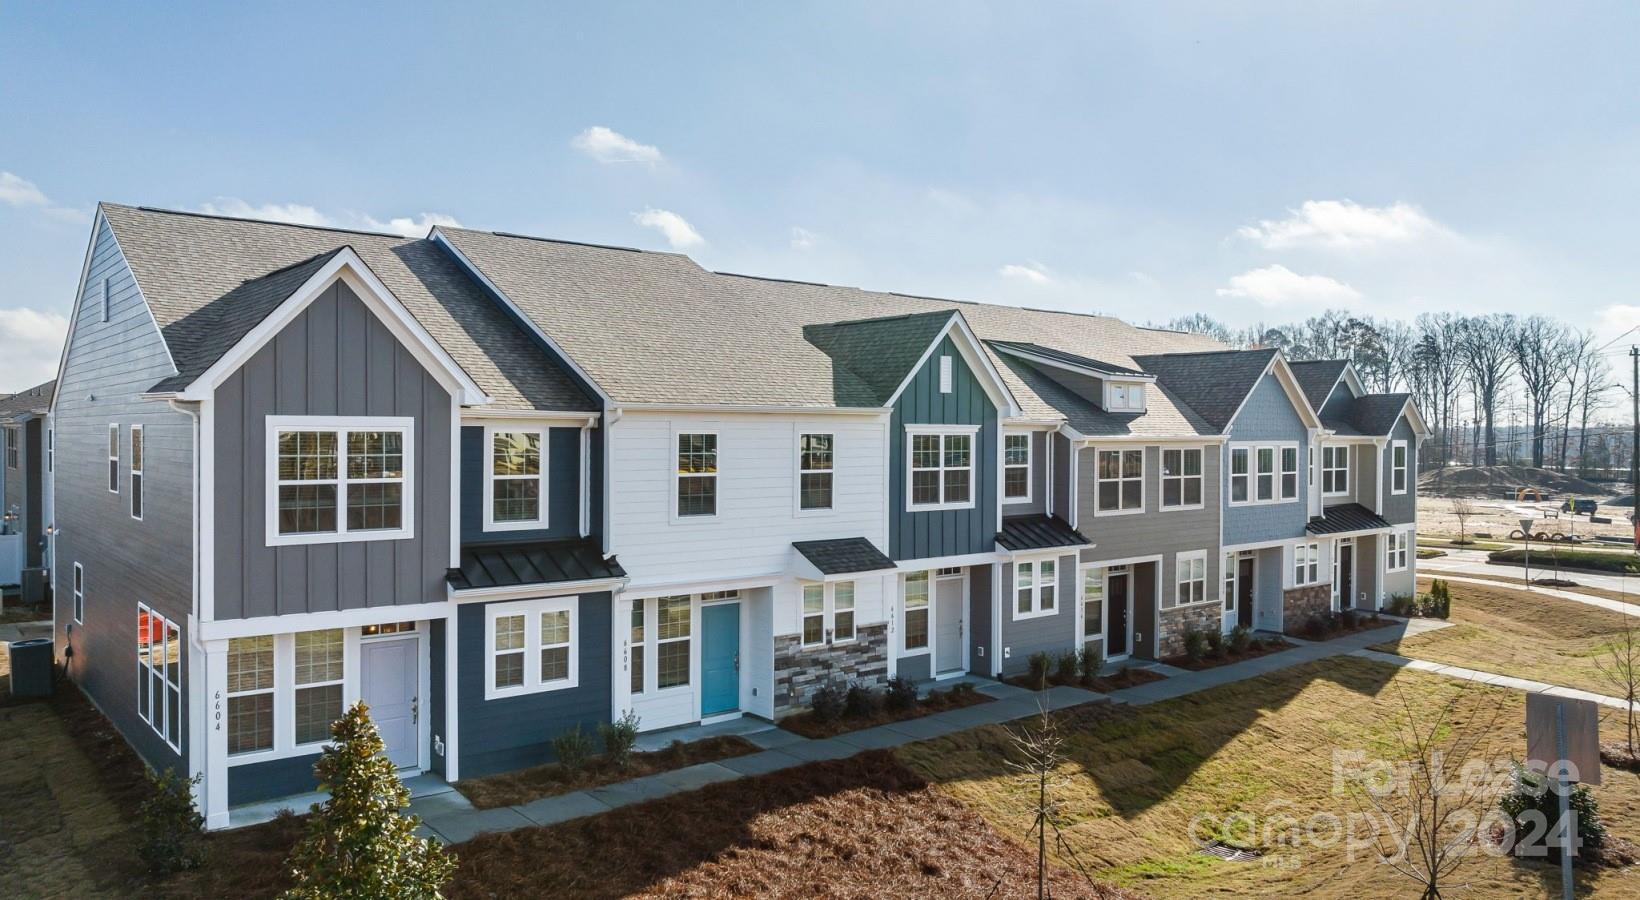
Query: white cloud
[[608, 146], [1343, 225], [302, 214], [679, 233], [1031, 272], [30, 343], [1278, 285], [802, 238], [21, 193]]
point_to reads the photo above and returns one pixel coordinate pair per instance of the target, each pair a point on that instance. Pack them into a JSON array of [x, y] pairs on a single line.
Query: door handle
[[415, 710], [737, 661]]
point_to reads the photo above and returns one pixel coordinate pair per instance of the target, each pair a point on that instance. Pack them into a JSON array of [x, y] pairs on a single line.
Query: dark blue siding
[[435, 676], [921, 535], [513, 732], [275, 778], [979, 620], [563, 487]]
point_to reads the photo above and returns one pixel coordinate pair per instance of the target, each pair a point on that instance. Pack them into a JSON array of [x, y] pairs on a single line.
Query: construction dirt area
[[1492, 492]]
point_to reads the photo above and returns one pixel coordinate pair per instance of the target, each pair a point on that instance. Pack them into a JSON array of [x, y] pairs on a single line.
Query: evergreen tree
[[358, 843]]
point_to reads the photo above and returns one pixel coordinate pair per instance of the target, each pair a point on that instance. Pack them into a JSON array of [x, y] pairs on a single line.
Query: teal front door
[[719, 659]]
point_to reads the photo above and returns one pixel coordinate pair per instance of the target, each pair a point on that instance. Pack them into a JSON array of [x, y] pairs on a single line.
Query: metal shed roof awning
[[1345, 518], [516, 564], [1038, 533]]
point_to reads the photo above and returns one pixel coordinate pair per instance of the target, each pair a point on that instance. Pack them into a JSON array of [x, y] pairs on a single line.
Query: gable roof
[[29, 401], [1214, 383], [1376, 414], [1318, 377], [209, 280], [872, 357]]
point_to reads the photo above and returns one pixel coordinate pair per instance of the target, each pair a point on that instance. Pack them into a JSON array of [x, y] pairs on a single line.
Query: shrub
[[1090, 659], [962, 689], [619, 737], [1240, 637], [1195, 645], [1440, 599], [1350, 619], [1403, 605], [1215, 644], [1530, 796], [902, 694], [173, 838], [1316, 627], [358, 844], [861, 702], [1065, 667], [573, 748], [828, 701], [1037, 674]]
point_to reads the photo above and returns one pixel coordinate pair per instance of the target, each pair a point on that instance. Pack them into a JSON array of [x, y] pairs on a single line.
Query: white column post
[[452, 697], [215, 785]]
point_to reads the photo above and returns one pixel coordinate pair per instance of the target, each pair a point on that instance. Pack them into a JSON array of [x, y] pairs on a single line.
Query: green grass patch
[[1616, 562]]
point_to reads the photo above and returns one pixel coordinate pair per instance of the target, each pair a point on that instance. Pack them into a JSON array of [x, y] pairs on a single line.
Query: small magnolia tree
[[358, 844]]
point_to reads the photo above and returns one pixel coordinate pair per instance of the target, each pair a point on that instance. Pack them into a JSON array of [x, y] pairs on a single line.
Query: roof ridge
[[893, 318], [1209, 352], [226, 218], [549, 240], [780, 280]]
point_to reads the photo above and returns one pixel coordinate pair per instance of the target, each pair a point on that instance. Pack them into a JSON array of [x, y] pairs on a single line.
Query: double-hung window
[[531, 646], [250, 694], [1190, 578], [1265, 473], [159, 675], [114, 459], [1397, 543], [1035, 583], [1181, 478], [1306, 564], [1120, 481], [1264, 482], [1335, 470], [828, 613], [319, 665], [515, 476], [1016, 467], [136, 471], [916, 611], [1289, 473], [1398, 467], [942, 469], [1239, 477], [13, 456], [79, 593], [338, 481], [673, 631], [697, 492], [815, 462]]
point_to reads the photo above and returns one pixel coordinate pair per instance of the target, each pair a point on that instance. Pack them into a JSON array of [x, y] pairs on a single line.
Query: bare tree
[[1620, 669], [1041, 756], [1540, 351], [1440, 357], [1201, 323], [1487, 342], [1597, 381], [1434, 813], [1462, 509]]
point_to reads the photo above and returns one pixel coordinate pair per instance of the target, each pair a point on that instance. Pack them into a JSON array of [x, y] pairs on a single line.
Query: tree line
[[1524, 389]]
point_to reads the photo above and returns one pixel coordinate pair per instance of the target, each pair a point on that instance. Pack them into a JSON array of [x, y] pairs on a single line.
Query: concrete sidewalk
[[1508, 681]]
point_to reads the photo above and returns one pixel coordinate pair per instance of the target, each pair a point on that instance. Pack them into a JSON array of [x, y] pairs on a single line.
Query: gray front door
[[387, 672], [949, 594]]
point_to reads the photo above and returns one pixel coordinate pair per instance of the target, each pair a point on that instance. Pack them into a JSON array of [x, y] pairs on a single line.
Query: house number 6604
[[218, 711]]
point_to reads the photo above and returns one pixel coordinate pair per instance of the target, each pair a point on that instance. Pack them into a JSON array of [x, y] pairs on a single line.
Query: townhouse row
[[499, 486]]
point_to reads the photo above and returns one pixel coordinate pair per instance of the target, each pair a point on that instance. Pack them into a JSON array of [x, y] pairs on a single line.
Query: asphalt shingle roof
[[1070, 358], [1038, 532], [1376, 414], [36, 399], [1213, 383], [872, 357], [843, 556], [1317, 377], [209, 280], [520, 563]]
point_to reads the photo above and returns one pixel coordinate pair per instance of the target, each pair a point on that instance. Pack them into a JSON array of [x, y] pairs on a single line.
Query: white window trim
[[1304, 565], [1098, 574], [1252, 449], [653, 639], [1180, 558], [13, 455], [1404, 469], [828, 614], [943, 431], [1030, 460], [797, 463], [926, 649], [1399, 544], [341, 425], [542, 510], [114, 458], [1131, 389], [1144, 465], [1037, 583], [531, 610], [677, 477], [134, 473], [1161, 502], [348, 648], [107, 299], [1345, 492], [79, 594], [163, 708]]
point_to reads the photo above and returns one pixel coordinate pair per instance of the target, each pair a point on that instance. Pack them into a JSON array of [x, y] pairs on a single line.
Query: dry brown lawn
[[1520, 633], [1632, 596]]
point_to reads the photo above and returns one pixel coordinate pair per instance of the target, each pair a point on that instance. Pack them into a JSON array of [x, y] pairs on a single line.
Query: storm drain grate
[[1234, 854]]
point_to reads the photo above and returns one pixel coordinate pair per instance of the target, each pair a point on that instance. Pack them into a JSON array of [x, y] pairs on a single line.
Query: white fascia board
[[1349, 376], [223, 629], [872, 412], [532, 591], [1161, 440], [1289, 384], [1100, 374], [439, 237], [978, 361], [564, 418], [1419, 427]]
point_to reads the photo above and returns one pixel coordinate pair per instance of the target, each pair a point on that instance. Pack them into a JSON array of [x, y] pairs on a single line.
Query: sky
[[1259, 162]]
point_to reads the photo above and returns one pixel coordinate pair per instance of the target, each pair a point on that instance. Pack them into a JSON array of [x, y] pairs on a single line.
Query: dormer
[[1114, 388]]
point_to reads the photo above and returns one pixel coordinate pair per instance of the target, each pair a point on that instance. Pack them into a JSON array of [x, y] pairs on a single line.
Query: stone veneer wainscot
[[1203, 617], [1299, 605], [799, 671]]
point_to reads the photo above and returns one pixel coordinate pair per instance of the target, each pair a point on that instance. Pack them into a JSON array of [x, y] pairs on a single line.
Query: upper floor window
[[942, 469], [1306, 564], [13, 459], [515, 475], [1120, 481], [530, 646], [1263, 474], [1398, 467], [136, 471], [1190, 579], [1016, 467], [1335, 470], [1181, 478], [814, 471], [331, 481], [1124, 396], [114, 458], [828, 613], [697, 493], [1035, 584]]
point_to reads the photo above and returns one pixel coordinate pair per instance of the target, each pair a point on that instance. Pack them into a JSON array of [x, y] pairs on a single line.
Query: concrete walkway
[[1508, 681]]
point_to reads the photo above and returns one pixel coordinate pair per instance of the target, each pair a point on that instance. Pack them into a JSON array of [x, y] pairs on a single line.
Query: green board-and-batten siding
[[926, 535]]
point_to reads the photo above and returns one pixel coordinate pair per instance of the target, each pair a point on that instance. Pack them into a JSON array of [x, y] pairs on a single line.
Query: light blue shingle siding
[[1268, 415]]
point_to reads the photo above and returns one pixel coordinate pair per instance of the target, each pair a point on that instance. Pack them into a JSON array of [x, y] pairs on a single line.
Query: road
[[1473, 562]]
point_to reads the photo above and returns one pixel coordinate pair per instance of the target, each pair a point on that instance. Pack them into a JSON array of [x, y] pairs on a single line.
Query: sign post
[[1563, 737], [1526, 531]]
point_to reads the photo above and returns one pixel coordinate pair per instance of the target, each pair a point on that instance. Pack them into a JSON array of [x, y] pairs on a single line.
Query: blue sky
[[1258, 162]]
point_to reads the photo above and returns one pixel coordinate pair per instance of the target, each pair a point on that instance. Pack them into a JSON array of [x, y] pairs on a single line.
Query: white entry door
[[388, 676], [950, 598]]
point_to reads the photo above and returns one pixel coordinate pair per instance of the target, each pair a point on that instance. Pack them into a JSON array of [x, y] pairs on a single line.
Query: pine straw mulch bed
[[860, 827], [551, 779], [1125, 677], [1336, 627], [1266, 646], [810, 726]]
